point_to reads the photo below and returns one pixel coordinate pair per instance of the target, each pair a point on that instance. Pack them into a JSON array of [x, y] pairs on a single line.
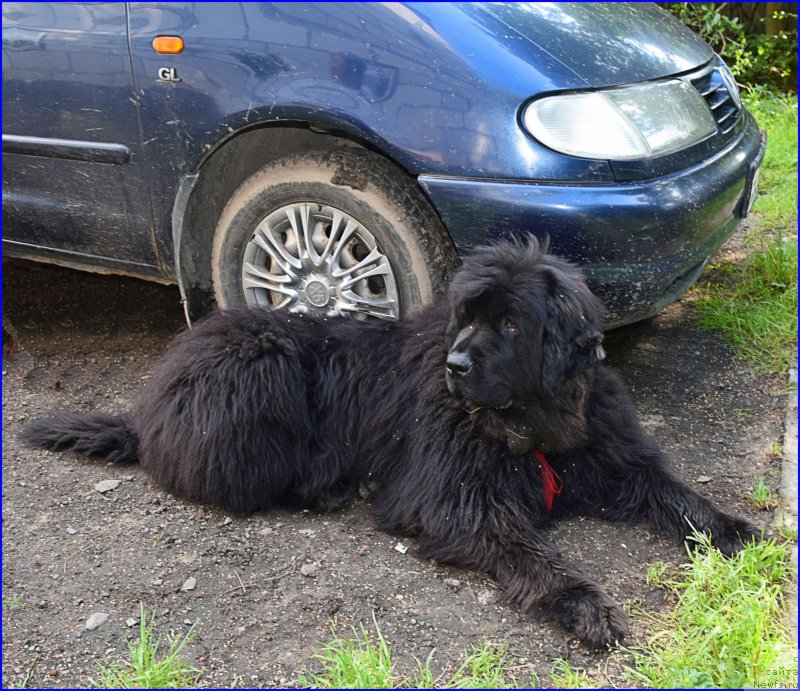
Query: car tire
[[334, 232]]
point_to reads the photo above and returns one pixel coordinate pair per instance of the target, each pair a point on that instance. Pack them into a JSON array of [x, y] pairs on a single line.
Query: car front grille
[[714, 90]]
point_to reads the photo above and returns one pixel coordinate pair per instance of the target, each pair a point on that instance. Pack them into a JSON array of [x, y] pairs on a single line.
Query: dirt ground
[[70, 551]]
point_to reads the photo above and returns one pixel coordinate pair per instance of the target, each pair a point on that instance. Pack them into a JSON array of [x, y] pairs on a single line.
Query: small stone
[[485, 597], [228, 520], [309, 570], [704, 479], [95, 620], [189, 584], [400, 547], [71, 531], [307, 532], [158, 581], [453, 583], [106, 485], [130, 621]]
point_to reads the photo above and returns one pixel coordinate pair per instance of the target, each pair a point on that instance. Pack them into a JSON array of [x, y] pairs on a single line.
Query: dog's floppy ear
[[571, 339], [565, 358], [587, 351]]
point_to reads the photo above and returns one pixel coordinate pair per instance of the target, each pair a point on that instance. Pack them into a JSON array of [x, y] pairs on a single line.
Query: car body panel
[[604, 45], [68, 116]]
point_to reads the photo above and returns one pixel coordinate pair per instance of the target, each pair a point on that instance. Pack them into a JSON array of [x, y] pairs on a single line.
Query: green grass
[[776, 449], [365, 661], [727, 629], [146, 668], [353, 663], [657, 574], [12, 602], [564, 676], [761, 495], [753, 301], [486, 667], [777, 202], [787, 532]]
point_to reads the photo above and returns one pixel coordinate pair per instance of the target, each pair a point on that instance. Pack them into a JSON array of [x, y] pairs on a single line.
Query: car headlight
[[632, 122]]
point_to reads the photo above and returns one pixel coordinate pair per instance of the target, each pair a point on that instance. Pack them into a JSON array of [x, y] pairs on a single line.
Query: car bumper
[[641, 244]]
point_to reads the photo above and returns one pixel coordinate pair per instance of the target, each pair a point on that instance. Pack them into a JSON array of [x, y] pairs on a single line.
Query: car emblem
[[168, 74]]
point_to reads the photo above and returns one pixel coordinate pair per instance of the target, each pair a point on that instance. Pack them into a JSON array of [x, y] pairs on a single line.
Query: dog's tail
[[100, 435]]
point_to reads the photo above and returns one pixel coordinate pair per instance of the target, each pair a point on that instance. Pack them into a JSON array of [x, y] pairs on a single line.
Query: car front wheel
[[341, 232]]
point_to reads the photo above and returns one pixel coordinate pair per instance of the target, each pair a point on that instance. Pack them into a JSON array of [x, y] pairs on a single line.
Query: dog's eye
[[510, 326]]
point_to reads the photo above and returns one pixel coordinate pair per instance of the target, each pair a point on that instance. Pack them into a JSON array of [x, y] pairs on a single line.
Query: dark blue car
[[337, 157]]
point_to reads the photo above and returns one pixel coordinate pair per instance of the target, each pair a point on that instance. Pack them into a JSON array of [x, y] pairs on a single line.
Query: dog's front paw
[[590, 614], [733, 534]]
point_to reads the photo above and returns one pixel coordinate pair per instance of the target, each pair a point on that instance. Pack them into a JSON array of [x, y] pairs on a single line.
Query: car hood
[[602, 44]]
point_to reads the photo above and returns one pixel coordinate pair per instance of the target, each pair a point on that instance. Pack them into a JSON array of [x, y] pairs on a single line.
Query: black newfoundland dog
[[479, 420]]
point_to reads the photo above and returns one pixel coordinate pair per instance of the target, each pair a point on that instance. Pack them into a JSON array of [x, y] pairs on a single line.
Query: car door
[[74, 183]]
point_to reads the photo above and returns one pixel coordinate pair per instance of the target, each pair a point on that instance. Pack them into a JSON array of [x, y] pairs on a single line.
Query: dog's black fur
[[255, 409]]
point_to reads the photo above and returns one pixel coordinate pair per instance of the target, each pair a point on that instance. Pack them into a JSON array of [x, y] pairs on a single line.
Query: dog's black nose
[[459, 364]]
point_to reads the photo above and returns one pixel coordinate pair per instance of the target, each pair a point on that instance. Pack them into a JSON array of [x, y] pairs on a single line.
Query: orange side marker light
[[168, 45]]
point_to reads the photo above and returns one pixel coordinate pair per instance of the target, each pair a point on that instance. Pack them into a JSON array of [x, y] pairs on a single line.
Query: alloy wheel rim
[[316, 259]]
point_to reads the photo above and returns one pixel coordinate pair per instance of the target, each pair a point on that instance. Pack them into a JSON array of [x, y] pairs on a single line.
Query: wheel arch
[[202, 195]]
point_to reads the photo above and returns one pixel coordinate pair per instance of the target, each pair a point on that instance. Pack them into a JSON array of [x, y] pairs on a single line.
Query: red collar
[[551, 483]]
